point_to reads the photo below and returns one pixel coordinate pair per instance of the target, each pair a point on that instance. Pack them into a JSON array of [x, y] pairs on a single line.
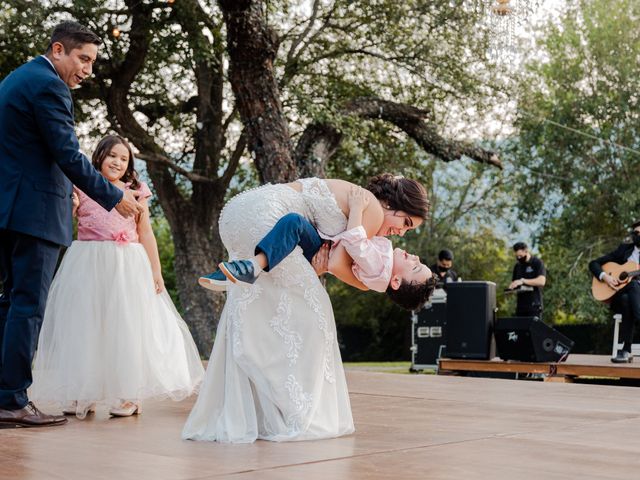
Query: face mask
[[635, 238], [443, 269], [522, 260]]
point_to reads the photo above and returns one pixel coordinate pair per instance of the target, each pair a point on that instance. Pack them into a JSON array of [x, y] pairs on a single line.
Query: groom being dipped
[[39, 160]]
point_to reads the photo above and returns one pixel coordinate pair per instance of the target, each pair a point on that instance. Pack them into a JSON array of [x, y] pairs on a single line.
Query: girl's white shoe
[[126, 409], [72, 409]]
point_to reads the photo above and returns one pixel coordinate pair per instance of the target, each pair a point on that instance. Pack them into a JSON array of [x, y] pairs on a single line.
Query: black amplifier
[[428, 334]]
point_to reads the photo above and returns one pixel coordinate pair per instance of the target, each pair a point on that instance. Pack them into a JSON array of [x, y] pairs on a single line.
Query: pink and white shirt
[[95, 223], [372, 258]]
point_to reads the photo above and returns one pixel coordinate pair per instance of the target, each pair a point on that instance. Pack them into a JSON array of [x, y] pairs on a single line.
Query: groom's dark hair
[[412, 296], [72, 35]]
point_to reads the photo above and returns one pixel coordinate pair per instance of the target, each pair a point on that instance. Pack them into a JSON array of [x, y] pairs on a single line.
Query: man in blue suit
[[39, 159]]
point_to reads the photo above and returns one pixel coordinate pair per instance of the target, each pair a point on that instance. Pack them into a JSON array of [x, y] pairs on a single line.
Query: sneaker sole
[[227, 273], [213, 285]]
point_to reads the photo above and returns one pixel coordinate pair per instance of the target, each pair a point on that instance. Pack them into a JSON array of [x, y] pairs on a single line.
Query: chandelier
[[505, 20]]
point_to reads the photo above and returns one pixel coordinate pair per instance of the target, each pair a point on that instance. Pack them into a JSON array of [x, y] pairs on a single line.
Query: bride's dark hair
[[399, 193]]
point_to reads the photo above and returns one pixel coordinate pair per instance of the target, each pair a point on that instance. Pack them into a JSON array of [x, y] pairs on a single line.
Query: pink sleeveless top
[[95, 223]]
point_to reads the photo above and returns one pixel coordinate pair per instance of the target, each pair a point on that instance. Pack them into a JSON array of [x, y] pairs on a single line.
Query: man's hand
[[129, 206], [320, 261], [609, 280], [516, 283]]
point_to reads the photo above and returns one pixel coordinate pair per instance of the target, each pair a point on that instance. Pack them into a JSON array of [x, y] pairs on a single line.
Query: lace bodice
[[325, 214]]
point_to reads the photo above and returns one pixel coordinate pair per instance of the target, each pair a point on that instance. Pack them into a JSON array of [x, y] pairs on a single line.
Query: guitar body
[[624, 273]]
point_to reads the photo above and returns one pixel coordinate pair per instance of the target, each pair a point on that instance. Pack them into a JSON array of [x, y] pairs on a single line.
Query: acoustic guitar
[[624, 273]]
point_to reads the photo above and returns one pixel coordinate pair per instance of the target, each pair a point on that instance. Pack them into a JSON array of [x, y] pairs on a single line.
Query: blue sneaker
[[238, 271], [215, 281]]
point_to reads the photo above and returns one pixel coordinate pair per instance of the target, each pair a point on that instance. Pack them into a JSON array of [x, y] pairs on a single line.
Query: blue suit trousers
[[27, 265]]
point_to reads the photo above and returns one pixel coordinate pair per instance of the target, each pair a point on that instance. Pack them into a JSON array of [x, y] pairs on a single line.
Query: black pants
[[529, 312], [627, 303], [27, 265]]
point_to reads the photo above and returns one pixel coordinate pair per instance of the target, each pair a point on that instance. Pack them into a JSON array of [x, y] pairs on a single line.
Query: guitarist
[[627, 300]]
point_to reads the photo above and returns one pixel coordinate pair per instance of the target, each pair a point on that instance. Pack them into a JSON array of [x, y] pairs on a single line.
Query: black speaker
[[530, 340], [428, 334], [471, 310]]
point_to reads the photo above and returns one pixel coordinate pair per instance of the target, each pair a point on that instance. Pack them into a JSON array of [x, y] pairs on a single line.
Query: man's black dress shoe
[[29, 416], [622, 357]]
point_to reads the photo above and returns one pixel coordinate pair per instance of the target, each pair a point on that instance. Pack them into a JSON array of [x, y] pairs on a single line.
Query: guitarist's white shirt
[[634, 257]]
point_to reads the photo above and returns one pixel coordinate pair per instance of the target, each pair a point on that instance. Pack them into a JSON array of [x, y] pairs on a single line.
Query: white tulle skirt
[[107, 336]]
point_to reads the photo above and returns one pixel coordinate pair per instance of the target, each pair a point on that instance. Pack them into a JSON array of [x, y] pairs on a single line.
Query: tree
[[576, 188], [201, 88]]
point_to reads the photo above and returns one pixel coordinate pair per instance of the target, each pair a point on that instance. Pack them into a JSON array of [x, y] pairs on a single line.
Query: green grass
[[383, 367]]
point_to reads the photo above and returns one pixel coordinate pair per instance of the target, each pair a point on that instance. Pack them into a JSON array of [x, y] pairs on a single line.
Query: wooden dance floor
[[408, 426]]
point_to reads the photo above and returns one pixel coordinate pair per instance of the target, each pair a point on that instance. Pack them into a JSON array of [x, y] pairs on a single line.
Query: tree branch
[[411, 121], [241, 145], [163, 160], [320, 141]]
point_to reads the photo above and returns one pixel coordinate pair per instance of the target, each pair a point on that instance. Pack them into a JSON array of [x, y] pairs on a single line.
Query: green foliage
[[580, 191], [165, 249]]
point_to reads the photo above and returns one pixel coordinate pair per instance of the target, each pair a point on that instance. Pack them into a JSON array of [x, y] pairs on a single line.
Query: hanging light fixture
[[504, 20]]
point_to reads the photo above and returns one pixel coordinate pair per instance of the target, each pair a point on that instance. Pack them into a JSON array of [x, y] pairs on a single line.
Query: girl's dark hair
[[412, 296], [400, 193], [72, 35], [103, 149]]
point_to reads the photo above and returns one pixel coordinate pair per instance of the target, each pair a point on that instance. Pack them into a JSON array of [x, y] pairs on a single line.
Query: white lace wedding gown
[[275, 372]]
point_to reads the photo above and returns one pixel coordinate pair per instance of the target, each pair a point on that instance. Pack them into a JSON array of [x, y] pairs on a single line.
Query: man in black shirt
[[529, 272], [627, 300], [443, 268]]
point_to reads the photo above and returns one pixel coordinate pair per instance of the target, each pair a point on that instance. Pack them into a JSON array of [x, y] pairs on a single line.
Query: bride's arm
[[373, 217], [340, 266]]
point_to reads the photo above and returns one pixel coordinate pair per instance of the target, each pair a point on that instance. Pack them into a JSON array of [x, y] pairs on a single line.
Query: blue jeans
[[290, 231]]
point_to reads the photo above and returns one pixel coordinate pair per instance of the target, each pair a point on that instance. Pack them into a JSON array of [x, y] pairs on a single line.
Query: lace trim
[[301, 402], [280, 325], [247, 295], [311, 296]]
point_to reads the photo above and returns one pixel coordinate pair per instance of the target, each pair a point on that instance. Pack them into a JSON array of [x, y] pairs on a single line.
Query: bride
[[275, 372]]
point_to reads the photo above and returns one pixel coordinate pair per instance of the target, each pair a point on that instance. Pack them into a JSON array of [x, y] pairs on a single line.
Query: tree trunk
[[252, 48], [316, 146], [198, 251]]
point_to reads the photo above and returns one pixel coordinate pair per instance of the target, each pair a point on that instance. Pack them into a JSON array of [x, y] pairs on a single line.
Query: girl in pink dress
[[111, 334]]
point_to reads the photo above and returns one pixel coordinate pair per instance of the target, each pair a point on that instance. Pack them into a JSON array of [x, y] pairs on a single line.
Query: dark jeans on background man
[[627, 303], [290, 231], [27, 265]]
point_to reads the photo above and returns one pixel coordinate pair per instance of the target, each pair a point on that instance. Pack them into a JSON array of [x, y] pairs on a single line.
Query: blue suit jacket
[[40, 156]]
